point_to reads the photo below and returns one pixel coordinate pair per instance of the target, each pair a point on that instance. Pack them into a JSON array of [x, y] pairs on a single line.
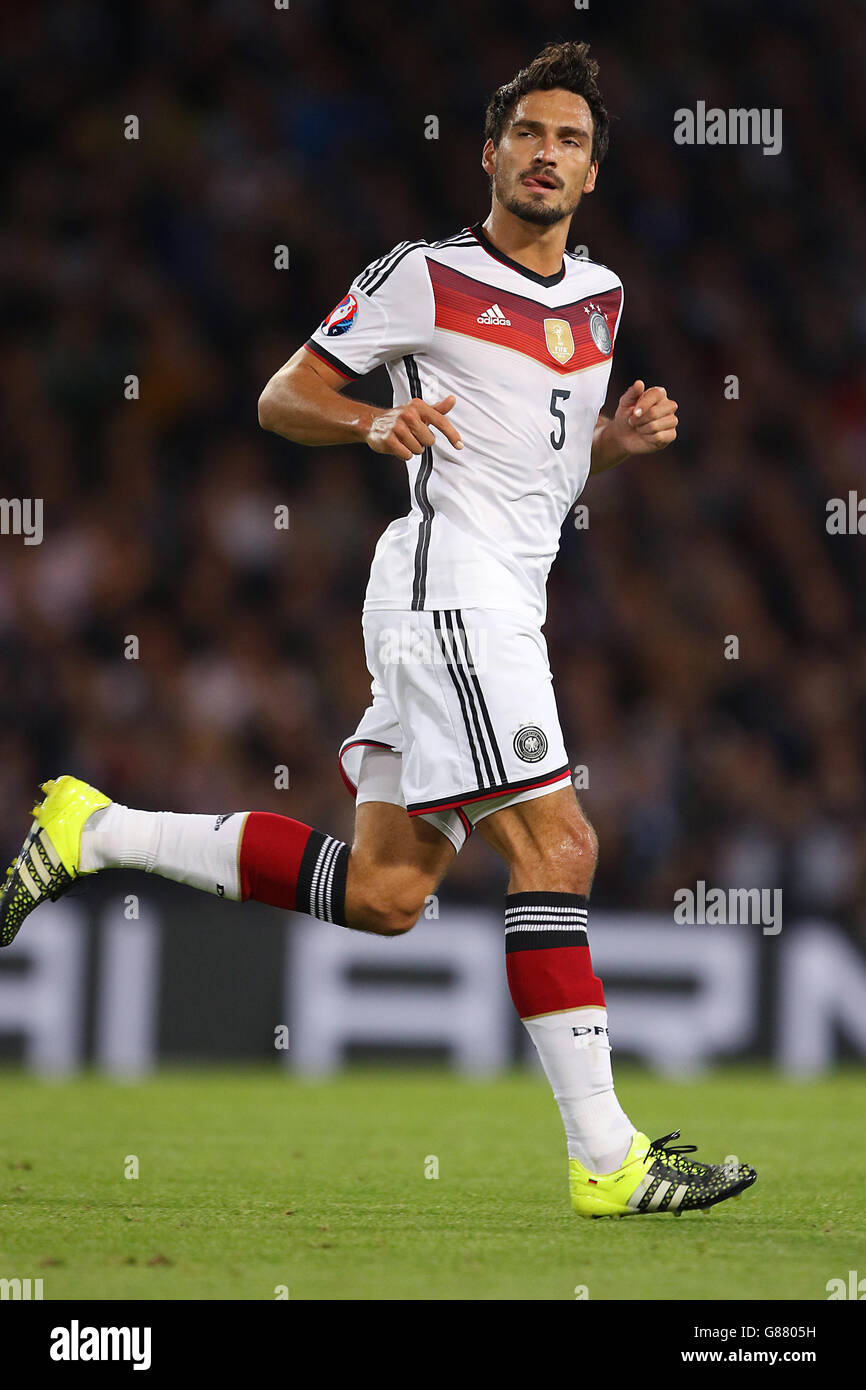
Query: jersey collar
[[480, 235]]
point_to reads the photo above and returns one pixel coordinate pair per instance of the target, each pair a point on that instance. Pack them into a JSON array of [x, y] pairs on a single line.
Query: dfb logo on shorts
[[530, 744]]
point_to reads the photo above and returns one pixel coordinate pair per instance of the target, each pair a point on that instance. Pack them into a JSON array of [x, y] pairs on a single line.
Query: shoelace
[[673, 1155]]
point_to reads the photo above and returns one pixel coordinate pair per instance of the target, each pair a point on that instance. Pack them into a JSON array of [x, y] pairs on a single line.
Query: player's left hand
[[645, 419]]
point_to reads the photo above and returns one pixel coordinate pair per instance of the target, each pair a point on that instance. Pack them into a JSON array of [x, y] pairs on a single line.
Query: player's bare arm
[[645, 421], [303, 402]]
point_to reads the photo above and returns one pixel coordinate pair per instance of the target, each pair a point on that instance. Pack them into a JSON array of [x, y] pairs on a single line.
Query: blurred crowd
[[305, 128]]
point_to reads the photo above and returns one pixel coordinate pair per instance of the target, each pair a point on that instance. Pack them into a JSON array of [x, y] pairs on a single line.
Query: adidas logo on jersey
[[494, 315]]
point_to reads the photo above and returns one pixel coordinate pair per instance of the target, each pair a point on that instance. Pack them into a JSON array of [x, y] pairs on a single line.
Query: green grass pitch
[[250, 1180]]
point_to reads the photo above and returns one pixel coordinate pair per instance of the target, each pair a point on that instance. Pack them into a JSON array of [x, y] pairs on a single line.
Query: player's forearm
[[606, 451], [298, 405]]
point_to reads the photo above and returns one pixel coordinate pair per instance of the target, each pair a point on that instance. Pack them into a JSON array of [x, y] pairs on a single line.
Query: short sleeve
[[388, 312]]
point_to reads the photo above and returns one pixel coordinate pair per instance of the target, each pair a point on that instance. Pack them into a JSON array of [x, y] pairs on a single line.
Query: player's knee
[[578, 851], [589, 843], [566, 858], [391, 919], [387, 913], [396, 921]]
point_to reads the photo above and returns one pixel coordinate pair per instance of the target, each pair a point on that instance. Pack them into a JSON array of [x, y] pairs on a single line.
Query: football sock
[[199, 850], [285, 863], [240, 855], [561, 1004]]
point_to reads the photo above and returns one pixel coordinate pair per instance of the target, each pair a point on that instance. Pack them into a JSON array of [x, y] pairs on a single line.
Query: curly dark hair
[[567, 65]]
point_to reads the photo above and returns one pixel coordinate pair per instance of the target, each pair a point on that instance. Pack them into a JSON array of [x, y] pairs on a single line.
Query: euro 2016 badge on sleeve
[[340, 320]]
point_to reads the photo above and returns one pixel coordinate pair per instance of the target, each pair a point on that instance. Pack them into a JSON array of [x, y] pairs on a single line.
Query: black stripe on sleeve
[[317, 350], [371, 286]]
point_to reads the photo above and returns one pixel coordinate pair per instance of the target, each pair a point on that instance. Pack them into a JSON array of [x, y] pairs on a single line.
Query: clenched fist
[[645, 420]]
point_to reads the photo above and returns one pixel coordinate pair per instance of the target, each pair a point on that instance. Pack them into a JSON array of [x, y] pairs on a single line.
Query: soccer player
[[498, 342]]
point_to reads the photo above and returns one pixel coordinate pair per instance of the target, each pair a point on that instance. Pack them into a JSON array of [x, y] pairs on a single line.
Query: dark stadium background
[[305, 128]]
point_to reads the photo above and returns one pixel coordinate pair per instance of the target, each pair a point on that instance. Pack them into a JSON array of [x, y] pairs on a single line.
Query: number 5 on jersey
[[557, 438]]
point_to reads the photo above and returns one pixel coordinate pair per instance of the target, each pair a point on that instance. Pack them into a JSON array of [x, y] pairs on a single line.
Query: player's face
[[543, 163]]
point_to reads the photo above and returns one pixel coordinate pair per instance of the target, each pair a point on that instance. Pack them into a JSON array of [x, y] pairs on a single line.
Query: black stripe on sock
[[544, 940], [338, 886], [309, 859], [524, 936]]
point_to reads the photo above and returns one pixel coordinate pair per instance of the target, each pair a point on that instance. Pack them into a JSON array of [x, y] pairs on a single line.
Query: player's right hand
[[408, 429]]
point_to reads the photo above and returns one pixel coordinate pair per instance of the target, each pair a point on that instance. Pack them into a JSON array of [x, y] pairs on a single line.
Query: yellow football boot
[[656, 1178], [49, 860]]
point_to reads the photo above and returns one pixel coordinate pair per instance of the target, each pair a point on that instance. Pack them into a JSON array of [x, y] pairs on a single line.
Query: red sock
[[547, 954], [287, 864]]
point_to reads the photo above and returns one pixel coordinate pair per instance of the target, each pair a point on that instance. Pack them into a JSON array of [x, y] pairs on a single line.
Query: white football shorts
[[463, 720]]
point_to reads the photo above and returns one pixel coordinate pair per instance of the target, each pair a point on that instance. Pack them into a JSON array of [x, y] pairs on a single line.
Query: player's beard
[[530, 209]]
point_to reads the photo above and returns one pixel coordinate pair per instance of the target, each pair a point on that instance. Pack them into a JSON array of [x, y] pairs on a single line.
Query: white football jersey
[[528, 358]]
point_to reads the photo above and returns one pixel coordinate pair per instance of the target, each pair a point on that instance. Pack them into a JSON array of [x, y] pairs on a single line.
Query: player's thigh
[[396, 860], [386, 836], [548, 843]]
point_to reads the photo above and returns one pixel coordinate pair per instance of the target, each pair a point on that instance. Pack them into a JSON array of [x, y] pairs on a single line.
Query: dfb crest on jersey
[[600, 333], [530, 744], [340, 320], [560, 339]]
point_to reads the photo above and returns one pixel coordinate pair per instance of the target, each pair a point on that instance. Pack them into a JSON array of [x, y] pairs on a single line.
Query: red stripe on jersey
[[559, 337]]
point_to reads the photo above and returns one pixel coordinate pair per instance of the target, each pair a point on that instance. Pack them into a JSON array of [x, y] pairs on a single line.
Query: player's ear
[[592, 174], [488, 158]]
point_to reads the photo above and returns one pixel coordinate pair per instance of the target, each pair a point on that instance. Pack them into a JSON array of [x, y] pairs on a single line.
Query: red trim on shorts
[[373, 743], [425, 808], [467, 824]]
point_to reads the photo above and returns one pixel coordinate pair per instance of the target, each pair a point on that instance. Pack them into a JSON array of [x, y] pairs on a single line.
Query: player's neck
[[539, 249]]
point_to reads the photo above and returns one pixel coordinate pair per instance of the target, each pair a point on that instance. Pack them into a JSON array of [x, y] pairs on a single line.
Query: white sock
[[202, 851], [575, 1052]]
